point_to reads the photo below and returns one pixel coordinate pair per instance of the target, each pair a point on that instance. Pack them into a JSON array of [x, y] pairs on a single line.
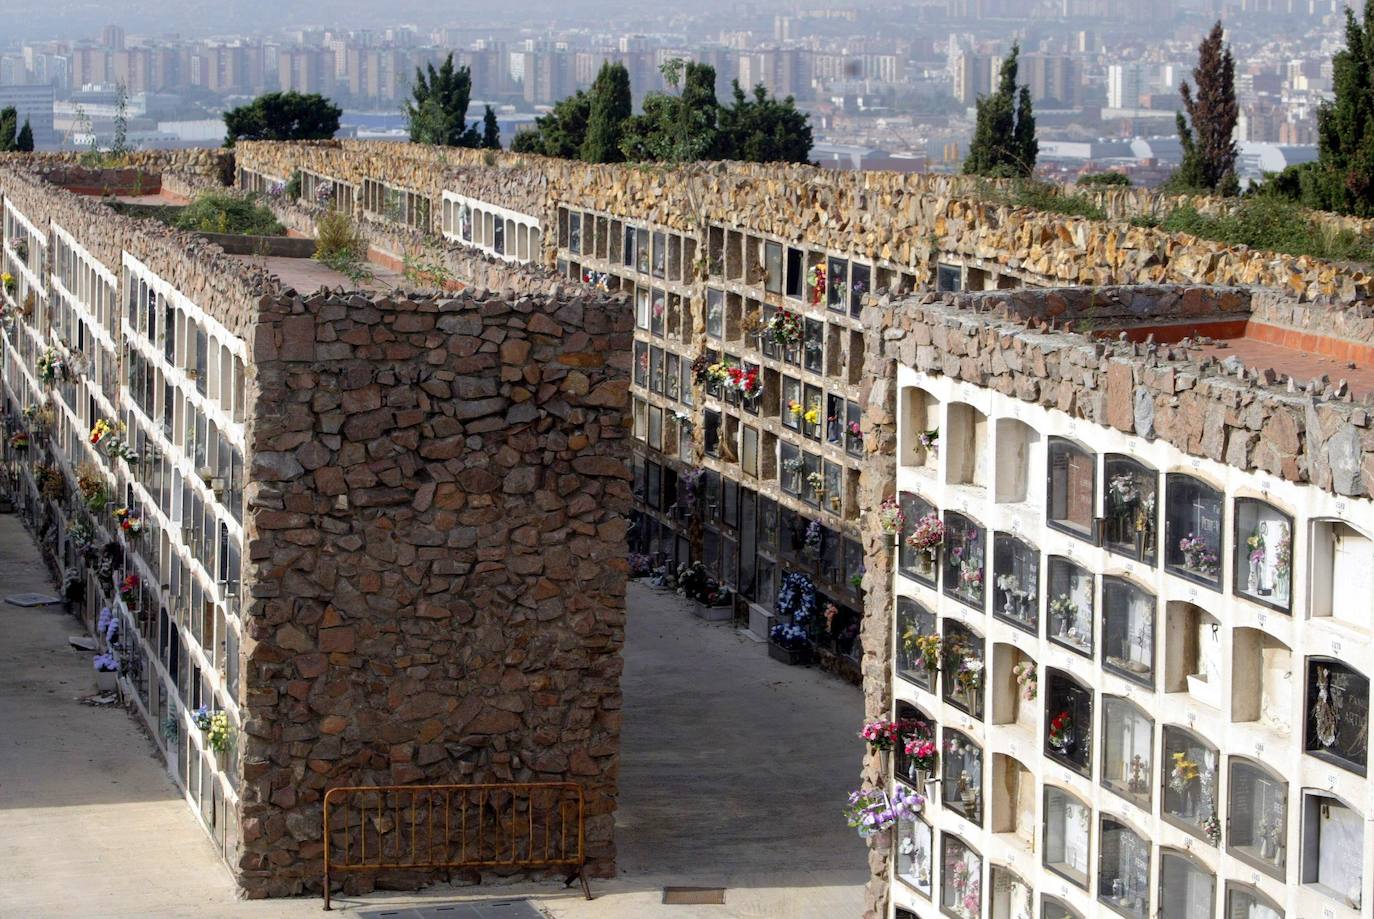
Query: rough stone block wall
[[909, 220], [226, 288], [435, 565], [1206, 408]]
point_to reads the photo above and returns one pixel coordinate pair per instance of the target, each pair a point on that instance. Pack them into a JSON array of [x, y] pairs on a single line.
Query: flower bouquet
[[100, 431], [891, 518], [1027, 679], [926, 538], [202, 717], [816, 481], [789, 644], [815, 282], [1061, 732], [784, 328], [926, 647], [1183, 774], [812, 416], [744, 382], [106, 669], [19, 440], [881, 736], [8, 280], [872, 811], [1198, 556], [128, 588], [929, 441], [922, 754]]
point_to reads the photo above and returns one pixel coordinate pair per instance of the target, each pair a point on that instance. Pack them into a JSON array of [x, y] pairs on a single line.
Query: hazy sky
[[30, 19]]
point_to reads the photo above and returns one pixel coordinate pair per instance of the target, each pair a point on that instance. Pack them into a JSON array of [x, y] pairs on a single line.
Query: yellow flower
[[812, 416], [794, 407]]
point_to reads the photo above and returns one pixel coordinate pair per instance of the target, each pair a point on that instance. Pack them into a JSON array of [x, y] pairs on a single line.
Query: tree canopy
[[491, 130], [1004, 143], [1342, 177], [24, 142], [1207, 135], [685, 124], [9, 126], [437, 111], [282, 116], [610, 106], [561, 132]]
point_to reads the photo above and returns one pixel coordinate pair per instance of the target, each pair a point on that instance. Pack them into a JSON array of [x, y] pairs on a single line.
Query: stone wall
[[908, 221], [435, 563], [1206, 408], [226, 288]]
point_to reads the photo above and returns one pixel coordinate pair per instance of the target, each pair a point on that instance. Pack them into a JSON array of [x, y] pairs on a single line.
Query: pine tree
[[491, 130], [1004, 143], [681, 127], [561, 132], [1209, 146], [610, 107], [282, 116], [763, 129], [438, 110], [25, 139]]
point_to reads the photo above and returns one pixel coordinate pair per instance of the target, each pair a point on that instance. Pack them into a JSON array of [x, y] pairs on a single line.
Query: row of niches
[[1267, 686], [1126, 866], [87, 354], [1233, 803], [493, 230], [180, 340], [1109, 618], [659, 254], [1121, 504], [799, 404], [216, 460], [750, 540], [825, 482], [158, 656], [31, 249], [90, 287]]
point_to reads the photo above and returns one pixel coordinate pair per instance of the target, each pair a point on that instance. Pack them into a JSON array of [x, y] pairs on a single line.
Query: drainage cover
[[31, 600], [694, 896], [486, 909]]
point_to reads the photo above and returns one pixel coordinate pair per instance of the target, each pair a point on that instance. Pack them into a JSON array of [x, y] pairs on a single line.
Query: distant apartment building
[[34, 104], [1125, 84], [1051, 78]]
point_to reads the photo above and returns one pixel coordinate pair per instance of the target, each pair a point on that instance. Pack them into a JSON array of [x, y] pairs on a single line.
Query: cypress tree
[[1004, 143], [438, 110], [610, 107], [1209, 146], [491, 130], [25, 140]]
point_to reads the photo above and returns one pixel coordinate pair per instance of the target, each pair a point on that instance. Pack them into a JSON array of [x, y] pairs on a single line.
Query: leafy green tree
[[762, 129], [1342, 177], [1004, 143], [1105, 179], [561, 132], [491, 130], [282, 116], [438, 109], [1208, 135], [25, 140], [678, 126], [9, 123], [610, 107]]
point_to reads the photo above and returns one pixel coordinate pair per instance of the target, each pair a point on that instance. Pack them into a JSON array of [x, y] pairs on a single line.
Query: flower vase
[[925, 562], [920, 778], [884, 760], [105, 681], [1254, 580]]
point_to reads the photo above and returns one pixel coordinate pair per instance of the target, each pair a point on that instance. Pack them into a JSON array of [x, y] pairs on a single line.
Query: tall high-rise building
[[1125, 83]]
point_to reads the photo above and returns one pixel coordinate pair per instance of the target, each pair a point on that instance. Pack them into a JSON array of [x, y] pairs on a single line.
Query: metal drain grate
[[31, 600], [694, 896], [487, 909]]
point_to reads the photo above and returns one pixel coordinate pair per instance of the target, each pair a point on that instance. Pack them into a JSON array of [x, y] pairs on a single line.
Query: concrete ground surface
[[733, 774]]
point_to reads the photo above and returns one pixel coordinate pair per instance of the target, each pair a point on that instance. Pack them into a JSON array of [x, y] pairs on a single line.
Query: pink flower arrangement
[[923, 753], [928, 535], [881, 735]]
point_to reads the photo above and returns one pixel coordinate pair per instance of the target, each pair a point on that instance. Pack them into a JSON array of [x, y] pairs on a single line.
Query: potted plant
[[106, 670], [788, 643]]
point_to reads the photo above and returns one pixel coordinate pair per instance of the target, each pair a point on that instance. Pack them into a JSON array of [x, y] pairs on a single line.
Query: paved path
[[733, 773]]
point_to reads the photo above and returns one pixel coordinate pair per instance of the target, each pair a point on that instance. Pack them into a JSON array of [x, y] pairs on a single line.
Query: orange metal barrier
[[530, 825]]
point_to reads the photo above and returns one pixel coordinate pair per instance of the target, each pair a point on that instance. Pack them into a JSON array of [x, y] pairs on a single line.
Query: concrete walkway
[[733, 773]]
